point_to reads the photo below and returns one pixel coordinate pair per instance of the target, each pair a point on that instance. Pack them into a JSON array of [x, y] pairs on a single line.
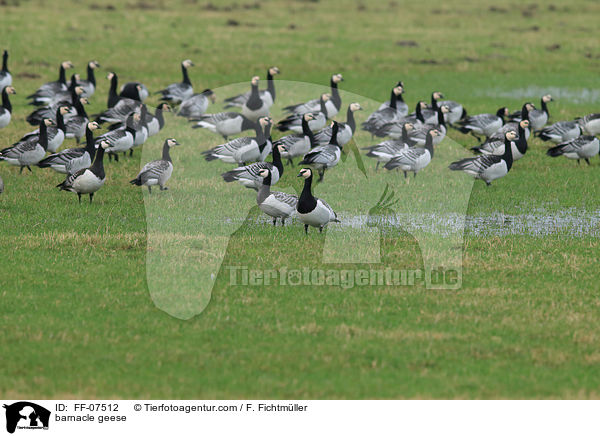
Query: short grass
[[77, 316]]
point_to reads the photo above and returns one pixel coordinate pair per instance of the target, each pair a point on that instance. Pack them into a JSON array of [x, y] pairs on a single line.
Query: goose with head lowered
[[29, 152], [297, 144], [345, 130], [414, 159], [225, 124], [249, 176], [496, 146], [386, 150], [45, 92], [266, 95], [401, 106], [87, 180], [386, 114], [562, 131], [313, 211], [245, 149], [71, 160], [177, 92], [5, 76], [196, 105], [488, 167], [537, 118], [158, 172], [324, 157], [483, 124], [6, 108], [89, 83], [582, 147], [56, 134], [274, 203], [333, 105], [121, 139], [255, 108], [293, 121]]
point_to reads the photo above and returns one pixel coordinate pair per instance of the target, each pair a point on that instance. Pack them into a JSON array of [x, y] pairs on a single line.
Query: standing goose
[[225, 124], [255, 108], [68, 95], [393, 129], [5, 76], [177, 92], [483, 124], [401, 106], [134, 91], [562, 131], [488, 167], [87, 180], [319, 118], [249, 175], [313, 211], [157, 172], [345, 130], [119, 108], [583, 147], [41, 113], [386, 114], [56, 134], [45, 92], [499, 134], [75, 126], [456, 111], [386, 150], [429, 113], [6, 109], [71, 160], [122, 139], [141, 129], [519, 147], [333, 105], [29, 152], [324, 156], [590, 124], [274, 203], [537, 118], [266, 95], [419, 134], [414, 159], [297, 144], [157, 121], [89, 84], [196, 105]]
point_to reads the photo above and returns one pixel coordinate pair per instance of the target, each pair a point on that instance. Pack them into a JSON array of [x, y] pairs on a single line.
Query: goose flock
[[311, 133]]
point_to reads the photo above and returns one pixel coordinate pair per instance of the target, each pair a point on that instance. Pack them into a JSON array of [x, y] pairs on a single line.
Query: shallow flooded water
[[579, 96]]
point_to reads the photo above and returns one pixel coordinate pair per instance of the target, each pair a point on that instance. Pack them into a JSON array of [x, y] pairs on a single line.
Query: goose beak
[[299, 175]]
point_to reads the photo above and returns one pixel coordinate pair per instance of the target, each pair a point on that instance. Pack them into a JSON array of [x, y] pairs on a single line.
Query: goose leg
[[587, 161], [29, 168], [274, 222], [320, 229], [306, 229], [488, 183], [163, 188], [131, 152], [79, 196], [578, 162], [377, 166], [321, 175], [91, 197], [415, 175], [290, 162], [21, 170], [149, 189], [225, 137], [282, 222], [405, 174]]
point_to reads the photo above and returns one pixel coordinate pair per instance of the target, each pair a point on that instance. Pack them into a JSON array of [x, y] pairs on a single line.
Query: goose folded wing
[[320, 155], [302, 108], [154, 169], [481, 120], [409, 156], [288, 199]]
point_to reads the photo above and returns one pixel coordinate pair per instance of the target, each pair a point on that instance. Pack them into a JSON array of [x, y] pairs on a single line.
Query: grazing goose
[[157, 121], [121, 139], [75, 126], [177, 92], [249, 175], [537, 118], [89, 84], [324, 156], [157, 172], [562, 131], [56, 134], [387, 113], [419, 134], [297, 144], [6, 109], [386, 150], [196, 105], [274, 203], [483, 124], [71, 160], [488, 167], [590, 124], [255, 108], [345, 130], [414, 159], [245, 149], [582, 147], [401, 106], [29, 152], [333, 105], [393, 129], [87, 180], [45, 92], [266, 95], [496, 146], [319, 118], [5, 76], [134, 91], [313, 211], [225, 124]]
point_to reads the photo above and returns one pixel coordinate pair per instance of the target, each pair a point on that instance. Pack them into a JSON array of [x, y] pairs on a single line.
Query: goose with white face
[[46, 92], [293, 121], [6, 108], [332, 105], [177, 92], [266, 95], [157, 172], [274, 203], [386, 150], [255, 108], [31, 151], [414, 159], [345, 130], [312, 211], [583, 147], [297, 144]]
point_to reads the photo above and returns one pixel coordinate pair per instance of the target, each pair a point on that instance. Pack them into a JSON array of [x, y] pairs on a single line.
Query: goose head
[[337, 78], [305, 173], [437, 95], [78, 90], [255, 80], [137, 117], [210, 94], [434, 132], [398, 90], [355, 107], [502, 112], [67, 64], [524, 124], [400, 83], [84, 100], [64, 110], [187, 63], [264, 173], [103, 144], [93, 64], [325, 97], [93, 125], [281, 148], [110, 75], [165, 107], [445, 109], [511, 135], [409, 126], [308, 116], [530, 106], [172, 142], [77, 77], [547, 98], [10, 90], [273, 71], [48, 122], [264, 122]]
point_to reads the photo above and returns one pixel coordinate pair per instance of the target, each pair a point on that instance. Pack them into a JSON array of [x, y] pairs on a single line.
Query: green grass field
[[79, 319]]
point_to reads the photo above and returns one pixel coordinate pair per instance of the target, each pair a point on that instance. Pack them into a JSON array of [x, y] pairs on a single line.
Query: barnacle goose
[[456, 110], [297, 144], [249, 176], [419, 134], [135, 91], [401, 106], [498, 135], [68, 95], [245, 149], [41, 113], [254, 108], [483, 124], [71, 160], [56, 134], [488, 167], [582, 147], [415, 158], [313, 211], [590, 124], [561, 131], [274, 203], [177, 92], [225, 124], [537, 118], [75, 126], [266, 95], [393, 129], [386, 150], [119, 108], [519, 146], [293, 121], [29, 152], [121, 139], [345, 130], [157, 172], [333, 105], [324, 156], [45, 92], [87, 180], [156, 122], [429, 113], [5, 76], [6, 109], [386, 114], [89, 84], [141, 129], [196, 105]]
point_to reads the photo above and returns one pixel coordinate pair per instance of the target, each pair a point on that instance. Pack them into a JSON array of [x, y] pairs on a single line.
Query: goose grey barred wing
[[78, 163], [389, 147], [249, 172], [218, 117], [62, 157], [119, 112], [153, 170], [229, 147], [481, 120], [237, 100], [323, 136], [195, 106], [288, 199], [575, 144], [176, 92], [48, 90], [321, 155], [11, 152], [408, 156], [476, 165], [71, 179], [302, 108], [112, 136], [288, 140], [379, 118], [331, 211]]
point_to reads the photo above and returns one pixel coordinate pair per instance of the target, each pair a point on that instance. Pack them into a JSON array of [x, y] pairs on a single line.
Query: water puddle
[[578, 96]]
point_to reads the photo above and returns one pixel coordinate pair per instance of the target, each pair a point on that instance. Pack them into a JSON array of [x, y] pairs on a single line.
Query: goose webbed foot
[[488, 183], [587, 161], [164, 188], [320, 229], [282, 222]]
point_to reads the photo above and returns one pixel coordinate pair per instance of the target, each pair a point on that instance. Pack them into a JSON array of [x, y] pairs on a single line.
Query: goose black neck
[[525, 112], [43, 135], [277, 161], [254, 102], [270, 84], [113, 97], [350, 119], [5, 62], [61, 75], [144, 116], [507, 156], [60, 121], [6, 104], [98, 166], [440, 117], [429, 144], [79, 107], [500, 114], [165, 153], [307, 132], [267, 181], [334, 132], [545, 106], [404, 134], [184, 72], [72, 83], [260, 135], [91, 77], [307, 201], [90, 147], [393, 99], [323, 107], [522, 142], [247, 124], [434, 103], [335, 95], [129, 125], [419, 113], [158, 114]]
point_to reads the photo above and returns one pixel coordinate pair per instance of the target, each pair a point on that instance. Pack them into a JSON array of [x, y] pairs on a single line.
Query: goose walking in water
[[583, 147], [6, 108], [177, 92], [87, 180], [71, 160], [5, 76], [157, 172], [249, 175], [274, 203], [255, 107], [333, 105], [29, 152], [313, 211], [266, 95]]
